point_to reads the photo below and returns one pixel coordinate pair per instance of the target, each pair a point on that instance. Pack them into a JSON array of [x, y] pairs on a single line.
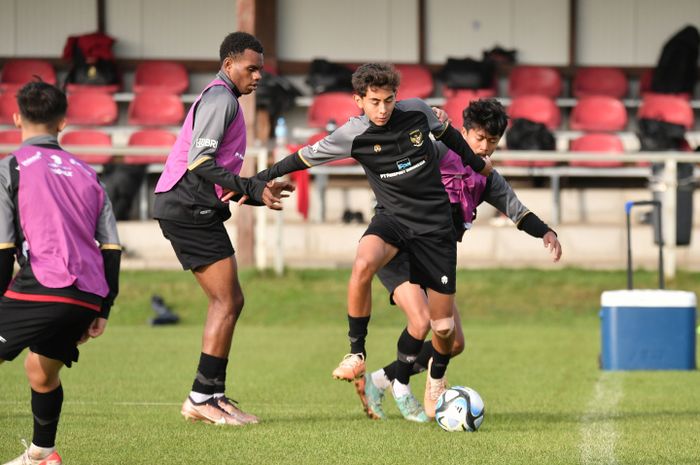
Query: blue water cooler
[[648, 330]]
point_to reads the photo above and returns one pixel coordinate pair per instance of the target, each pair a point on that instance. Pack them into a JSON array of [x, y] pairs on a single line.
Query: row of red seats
[[417, 80], [591, 113], [148, 108], [165, 76], [599, 116]]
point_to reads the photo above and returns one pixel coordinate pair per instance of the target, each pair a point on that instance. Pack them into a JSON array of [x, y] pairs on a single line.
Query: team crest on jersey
[[377, 148], [416, 137], [403, 164]]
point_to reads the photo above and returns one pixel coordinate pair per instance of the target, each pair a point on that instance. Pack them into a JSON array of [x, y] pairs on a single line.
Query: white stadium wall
[[629, 32], [620, 32], [538, 29], [352, 31]]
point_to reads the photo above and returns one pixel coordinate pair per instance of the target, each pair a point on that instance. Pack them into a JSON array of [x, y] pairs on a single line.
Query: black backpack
[[677, 69], [466, 73], [325, 76], [529, 135], [276, 94], [656, 135]]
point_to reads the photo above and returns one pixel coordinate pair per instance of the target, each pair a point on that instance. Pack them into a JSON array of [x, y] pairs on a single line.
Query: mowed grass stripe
[[598, 431]]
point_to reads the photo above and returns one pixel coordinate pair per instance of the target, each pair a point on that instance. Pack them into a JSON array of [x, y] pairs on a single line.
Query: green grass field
[[532, 351]]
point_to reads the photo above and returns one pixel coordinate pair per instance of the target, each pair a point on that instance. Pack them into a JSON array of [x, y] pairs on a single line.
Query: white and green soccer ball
[[459, 409]]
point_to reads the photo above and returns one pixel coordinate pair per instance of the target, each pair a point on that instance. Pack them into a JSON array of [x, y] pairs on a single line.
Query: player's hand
[[551, 242], [488, 167], [228, 195], [274, 192], [441, 115], [96, 328]]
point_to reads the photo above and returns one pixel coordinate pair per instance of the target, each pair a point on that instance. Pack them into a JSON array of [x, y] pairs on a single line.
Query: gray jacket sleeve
[[335, 146], [106, 233], [7, 208], [501, 196]]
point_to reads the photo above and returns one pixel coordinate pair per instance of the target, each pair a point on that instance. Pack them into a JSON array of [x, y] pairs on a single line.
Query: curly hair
[[374, 75], [488, 114], [41, 103], [238, 42]]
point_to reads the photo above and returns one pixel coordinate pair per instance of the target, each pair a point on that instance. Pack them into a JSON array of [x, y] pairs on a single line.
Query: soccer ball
[[459, 409]]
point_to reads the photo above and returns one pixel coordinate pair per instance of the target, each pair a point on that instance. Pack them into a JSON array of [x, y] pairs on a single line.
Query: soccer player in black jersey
[[392, 143], [485, 122]]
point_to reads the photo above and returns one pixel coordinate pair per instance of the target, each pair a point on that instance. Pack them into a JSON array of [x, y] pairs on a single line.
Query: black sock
[[390, 370], [408, 348], [419, 366], [439, 366], [207, 372], [421, 363], [220, 380], [357, 334], [47, 410]]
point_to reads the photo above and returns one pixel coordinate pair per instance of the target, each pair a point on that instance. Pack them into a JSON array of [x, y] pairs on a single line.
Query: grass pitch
[[532, 350]]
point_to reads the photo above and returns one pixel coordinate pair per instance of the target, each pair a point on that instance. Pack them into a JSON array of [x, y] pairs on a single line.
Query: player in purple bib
[[57, 221], [192, 203]]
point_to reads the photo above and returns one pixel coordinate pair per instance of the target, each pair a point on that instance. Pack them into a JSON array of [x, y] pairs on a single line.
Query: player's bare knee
[[443, 327], [363, 270], [419, 329]]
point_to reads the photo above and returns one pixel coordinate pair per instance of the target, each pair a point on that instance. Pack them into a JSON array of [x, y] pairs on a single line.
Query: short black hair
[[41, 103], [375, 75], [238, 42], [488, 114]]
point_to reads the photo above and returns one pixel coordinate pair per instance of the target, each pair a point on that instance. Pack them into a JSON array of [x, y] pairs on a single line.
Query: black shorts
[[197, 245], [432, 257], [47, 328]]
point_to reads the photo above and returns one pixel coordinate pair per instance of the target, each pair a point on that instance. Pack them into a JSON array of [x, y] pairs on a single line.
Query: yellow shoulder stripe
[[7, 245], [303, 159], [523, 217], [198, 162], [110, 247], [444, 128]]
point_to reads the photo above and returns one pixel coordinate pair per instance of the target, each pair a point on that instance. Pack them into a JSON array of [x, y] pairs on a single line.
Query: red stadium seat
[[600, 81], [10, 137], [17, 73], [150, 138], [534, 80], [338, 106], [598, 113], [165, 76], [89, 137], [668, 108], [456, 100], [536, 108], [416, 81], [597, 142], [8, 106], [92, 109], [155, 108]]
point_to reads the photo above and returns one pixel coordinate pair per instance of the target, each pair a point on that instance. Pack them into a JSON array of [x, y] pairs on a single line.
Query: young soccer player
[[200, 176], [53, 213], [391, 142], [485, 122]]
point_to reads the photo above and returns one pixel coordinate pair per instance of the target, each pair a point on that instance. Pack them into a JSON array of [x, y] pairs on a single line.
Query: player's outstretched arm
[[288, 164]]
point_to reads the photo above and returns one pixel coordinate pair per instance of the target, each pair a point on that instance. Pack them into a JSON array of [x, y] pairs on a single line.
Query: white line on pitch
[[598, 433]]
